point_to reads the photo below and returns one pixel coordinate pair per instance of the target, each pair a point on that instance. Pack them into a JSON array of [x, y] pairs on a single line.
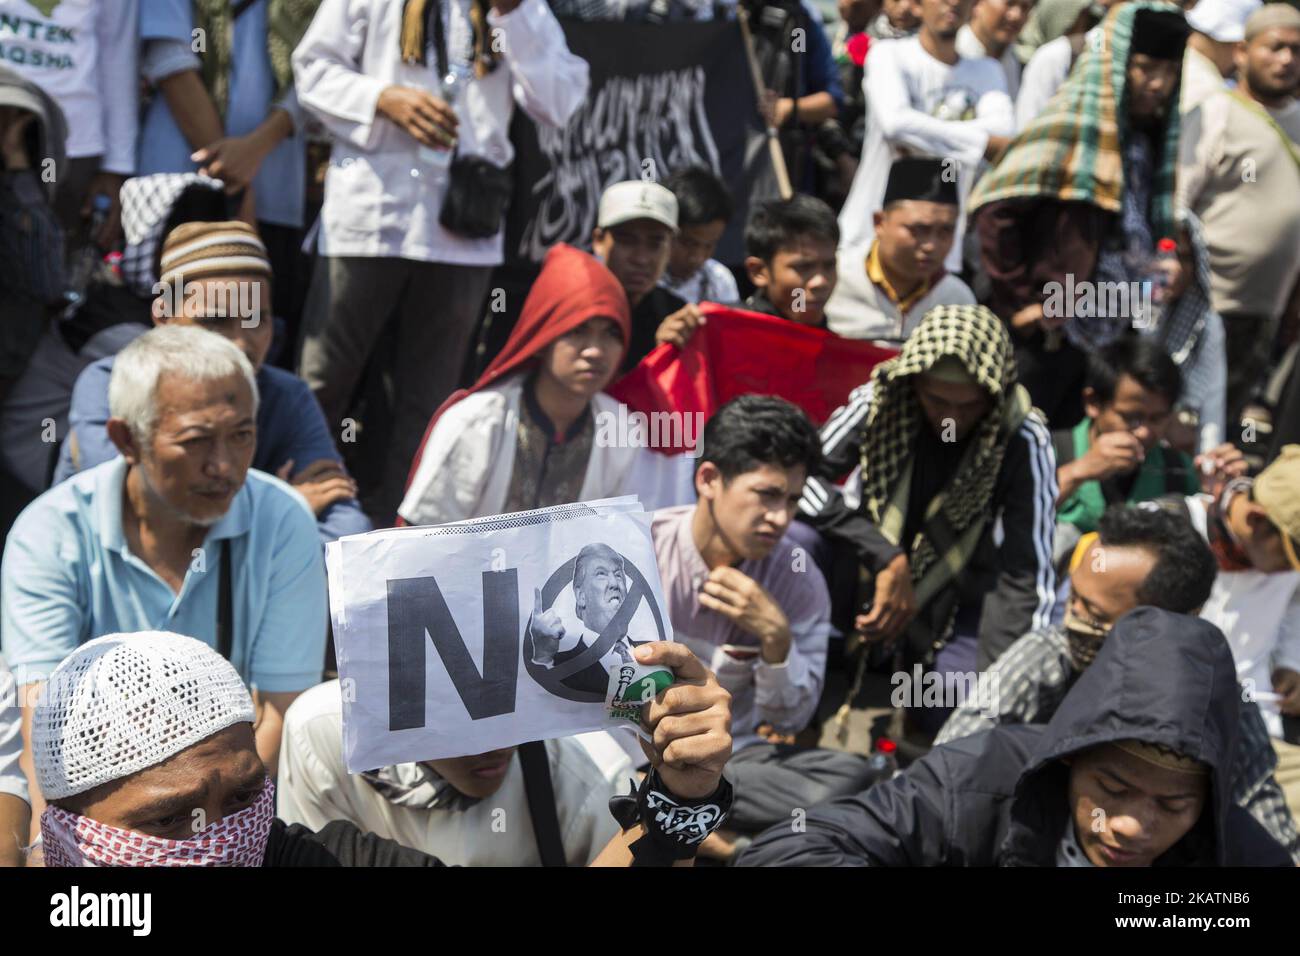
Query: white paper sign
[[464, 638]]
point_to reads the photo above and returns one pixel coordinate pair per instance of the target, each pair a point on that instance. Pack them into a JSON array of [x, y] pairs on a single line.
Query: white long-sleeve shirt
[[920, 106], [381, 198], [83, 53]]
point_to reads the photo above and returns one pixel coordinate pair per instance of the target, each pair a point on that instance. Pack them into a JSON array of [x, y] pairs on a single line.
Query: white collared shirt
[[381, 198]]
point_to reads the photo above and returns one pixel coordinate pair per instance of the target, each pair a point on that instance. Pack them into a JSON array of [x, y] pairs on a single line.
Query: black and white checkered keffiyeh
[[147, 202], [976, 337]]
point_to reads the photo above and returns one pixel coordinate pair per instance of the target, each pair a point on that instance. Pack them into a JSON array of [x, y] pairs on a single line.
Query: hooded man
[[1081, 198], [143, 747], [1132, 770], [949, 451]]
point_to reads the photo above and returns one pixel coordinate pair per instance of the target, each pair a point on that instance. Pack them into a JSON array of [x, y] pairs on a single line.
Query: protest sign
[[464, 638]]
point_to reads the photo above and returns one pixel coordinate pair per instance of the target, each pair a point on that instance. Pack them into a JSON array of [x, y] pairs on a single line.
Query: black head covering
[[929, 180], [1159, 33]]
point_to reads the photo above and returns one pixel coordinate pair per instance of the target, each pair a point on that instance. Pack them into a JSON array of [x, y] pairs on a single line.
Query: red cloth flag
[[735, 352]]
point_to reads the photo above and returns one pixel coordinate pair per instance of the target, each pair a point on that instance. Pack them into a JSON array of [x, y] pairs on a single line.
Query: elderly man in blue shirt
[[177, 533]]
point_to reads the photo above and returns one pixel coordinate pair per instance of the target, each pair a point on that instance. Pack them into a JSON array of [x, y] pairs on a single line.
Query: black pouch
[[477, 195]]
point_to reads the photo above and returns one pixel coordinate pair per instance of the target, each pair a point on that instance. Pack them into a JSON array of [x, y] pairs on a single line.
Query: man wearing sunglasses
[[1138, 556]]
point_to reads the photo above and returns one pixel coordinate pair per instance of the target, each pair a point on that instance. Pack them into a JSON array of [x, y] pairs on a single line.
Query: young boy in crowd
[[739, 598], [524, 436], [1127, 773], [635, 225], [1118, 451], [704, 208], [886, 284], [790, 258], [1115, 452]]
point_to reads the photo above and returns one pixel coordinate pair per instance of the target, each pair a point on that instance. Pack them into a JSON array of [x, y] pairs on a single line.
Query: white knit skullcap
[[122, 703]]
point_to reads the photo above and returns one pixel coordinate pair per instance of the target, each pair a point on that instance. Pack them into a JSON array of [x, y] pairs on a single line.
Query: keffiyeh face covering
[[71, 839]]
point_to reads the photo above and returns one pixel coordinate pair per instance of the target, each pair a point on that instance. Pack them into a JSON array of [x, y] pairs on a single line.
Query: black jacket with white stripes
[[1009, 577]]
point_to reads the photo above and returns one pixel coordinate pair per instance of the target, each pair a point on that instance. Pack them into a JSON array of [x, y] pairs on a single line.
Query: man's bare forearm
[[15, 824], [192, 108]]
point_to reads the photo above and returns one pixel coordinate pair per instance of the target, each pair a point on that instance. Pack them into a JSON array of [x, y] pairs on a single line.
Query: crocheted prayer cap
[[122, 703]]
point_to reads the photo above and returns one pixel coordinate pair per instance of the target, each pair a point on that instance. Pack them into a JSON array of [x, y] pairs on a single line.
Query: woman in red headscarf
[[524, 436]]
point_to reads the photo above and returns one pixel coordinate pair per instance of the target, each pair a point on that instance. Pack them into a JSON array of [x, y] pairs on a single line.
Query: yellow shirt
[[876, 273]]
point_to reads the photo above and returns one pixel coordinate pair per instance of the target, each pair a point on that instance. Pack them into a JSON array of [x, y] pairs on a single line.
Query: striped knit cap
[[200, 250]]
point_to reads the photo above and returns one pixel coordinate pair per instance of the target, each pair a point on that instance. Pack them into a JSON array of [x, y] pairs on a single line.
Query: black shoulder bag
[[478, 191]]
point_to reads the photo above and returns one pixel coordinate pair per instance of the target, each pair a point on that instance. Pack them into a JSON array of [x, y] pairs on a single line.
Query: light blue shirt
[[69, 576], [280, 182]]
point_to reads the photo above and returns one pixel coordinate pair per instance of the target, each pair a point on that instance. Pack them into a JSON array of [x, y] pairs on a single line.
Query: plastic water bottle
[[86, 261], [1166, 251], [883, 762], [453, 87]]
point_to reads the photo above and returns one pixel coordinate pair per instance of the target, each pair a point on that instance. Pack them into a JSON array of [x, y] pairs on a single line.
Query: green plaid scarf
[[954, 520], [1073, 150], [286, 22]]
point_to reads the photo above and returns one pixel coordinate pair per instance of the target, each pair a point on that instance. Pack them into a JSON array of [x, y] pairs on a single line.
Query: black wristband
[[674, 827]]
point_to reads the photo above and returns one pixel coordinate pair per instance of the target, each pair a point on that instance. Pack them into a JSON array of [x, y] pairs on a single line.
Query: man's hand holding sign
[[437, 661]]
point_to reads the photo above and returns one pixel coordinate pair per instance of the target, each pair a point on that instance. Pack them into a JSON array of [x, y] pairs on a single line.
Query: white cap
[[635, 199], [1222, 20], [122, 703]]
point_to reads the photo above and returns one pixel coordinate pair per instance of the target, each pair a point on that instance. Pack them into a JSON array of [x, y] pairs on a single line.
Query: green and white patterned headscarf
[[1074, 149]]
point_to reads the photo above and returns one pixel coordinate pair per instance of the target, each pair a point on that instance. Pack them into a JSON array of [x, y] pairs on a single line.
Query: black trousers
[[775, 781]]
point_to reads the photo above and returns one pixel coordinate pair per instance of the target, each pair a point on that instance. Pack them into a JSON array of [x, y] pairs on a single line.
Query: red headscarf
[[572, 288]]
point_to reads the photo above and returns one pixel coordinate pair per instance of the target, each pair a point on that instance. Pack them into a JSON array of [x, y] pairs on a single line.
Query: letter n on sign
[[416, 607]]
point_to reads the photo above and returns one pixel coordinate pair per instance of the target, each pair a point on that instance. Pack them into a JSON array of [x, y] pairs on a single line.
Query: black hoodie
[[1000, 797]]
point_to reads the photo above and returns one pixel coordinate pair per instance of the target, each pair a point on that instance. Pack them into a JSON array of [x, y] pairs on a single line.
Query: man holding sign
[[438, 659], [187, 788]]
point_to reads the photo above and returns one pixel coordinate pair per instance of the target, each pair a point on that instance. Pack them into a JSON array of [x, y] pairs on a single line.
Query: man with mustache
[[177, 532]]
